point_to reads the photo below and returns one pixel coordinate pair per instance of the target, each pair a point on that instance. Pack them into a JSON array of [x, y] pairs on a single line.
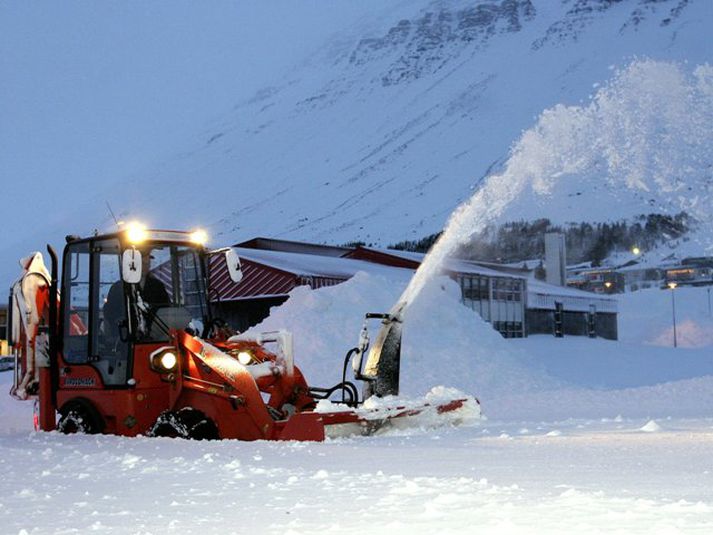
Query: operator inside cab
[[151, 295], [151, 290]]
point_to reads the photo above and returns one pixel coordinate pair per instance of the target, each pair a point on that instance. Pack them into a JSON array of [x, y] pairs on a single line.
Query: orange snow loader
[[127, 342]]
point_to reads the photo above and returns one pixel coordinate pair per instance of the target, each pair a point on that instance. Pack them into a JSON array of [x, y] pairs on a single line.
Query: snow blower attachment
[[134, 347], [383, 364], [380, 406], [381, 372]]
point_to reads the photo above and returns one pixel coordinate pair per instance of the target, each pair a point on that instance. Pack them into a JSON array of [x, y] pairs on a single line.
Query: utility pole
[[673, 285]]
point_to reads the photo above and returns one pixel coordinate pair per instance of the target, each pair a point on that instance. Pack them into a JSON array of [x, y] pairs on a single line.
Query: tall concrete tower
[[555, 259]]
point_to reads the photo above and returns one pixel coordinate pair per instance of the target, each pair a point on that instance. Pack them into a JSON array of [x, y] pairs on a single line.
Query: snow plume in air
[[648, 133]]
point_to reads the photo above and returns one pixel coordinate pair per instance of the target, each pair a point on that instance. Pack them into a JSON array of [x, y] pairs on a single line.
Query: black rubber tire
[[186, 423], [79, 416], [168, 425], [199, 426]]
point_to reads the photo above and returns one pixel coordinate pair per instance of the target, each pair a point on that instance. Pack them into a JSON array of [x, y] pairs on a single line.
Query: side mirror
[[131, 266], [234, 268]]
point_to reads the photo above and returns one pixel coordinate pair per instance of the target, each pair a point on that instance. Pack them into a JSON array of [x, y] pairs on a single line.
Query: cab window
[[76, 300], [110, 328]]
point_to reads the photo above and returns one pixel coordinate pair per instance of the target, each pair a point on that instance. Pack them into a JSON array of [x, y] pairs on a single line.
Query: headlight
[[168, 361], [245, 358], [164, 361]]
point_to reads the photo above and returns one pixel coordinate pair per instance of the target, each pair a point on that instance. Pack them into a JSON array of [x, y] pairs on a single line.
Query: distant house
[[602, 280], [505, 296], [692, 271], [640, 274]]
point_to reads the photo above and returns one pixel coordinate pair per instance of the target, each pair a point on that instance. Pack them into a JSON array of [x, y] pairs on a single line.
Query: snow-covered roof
[[638, 267], [581, 265], [535, 285], [638, 264], [543, 295], [452, 264], [290, 246], [311, 265], [530, 264], [409, 255]]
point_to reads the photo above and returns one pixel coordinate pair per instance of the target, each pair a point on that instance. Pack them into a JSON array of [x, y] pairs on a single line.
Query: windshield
[[171, 292]]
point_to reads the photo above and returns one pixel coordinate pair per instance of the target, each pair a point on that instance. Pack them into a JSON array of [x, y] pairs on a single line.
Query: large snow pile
[[444, 343], [540, 377]]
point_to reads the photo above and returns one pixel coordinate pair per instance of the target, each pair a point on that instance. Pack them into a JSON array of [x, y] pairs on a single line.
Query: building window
[[498, 300]]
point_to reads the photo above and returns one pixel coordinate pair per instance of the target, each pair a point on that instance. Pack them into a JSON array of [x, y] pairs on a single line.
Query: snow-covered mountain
[[382, 131], [379, 136]]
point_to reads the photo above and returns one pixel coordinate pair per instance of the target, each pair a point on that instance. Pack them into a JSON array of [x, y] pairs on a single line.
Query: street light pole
[[673, 285]]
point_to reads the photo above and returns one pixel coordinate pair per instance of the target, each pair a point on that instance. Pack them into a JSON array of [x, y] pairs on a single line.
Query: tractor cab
[[127, 291], [127, 300]]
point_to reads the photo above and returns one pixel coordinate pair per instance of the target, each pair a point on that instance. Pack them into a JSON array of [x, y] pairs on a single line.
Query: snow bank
[[606, 364], [689, 398], [444, 343], [447, 343], [540, 377], [650, 427]]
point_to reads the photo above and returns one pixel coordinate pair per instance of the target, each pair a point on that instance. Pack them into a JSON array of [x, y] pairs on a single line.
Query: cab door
[[109, 327], [95, 330]]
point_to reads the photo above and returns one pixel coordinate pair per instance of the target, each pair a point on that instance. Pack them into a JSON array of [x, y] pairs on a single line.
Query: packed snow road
[[573, 476]]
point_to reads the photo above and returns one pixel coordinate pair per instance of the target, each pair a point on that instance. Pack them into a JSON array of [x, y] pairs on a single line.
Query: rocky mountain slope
[[379, 138]]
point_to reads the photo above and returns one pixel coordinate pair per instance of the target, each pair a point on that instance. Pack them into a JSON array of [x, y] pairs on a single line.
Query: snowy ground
[[573, 476], [581, 436]]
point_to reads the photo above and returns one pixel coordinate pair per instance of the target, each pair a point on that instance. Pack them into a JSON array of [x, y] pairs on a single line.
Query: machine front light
[[245, 358], [199, 237], [168, 361], [164, 360], [136, 232]]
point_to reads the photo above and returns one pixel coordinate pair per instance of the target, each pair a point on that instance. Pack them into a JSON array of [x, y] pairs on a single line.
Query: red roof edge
[[379, 257]]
